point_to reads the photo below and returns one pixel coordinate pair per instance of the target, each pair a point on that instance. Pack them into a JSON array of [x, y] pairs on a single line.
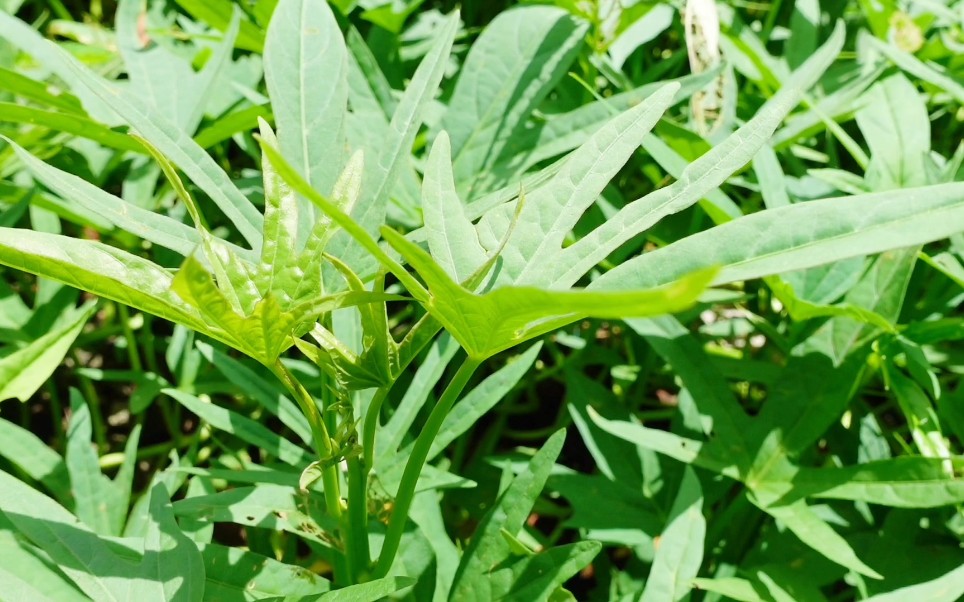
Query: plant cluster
[[566, 300]]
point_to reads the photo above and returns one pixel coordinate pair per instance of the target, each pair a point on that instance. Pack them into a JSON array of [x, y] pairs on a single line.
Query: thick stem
[[359, 555], [420, 451]]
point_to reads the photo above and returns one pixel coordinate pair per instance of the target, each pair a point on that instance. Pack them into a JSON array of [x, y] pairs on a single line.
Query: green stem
[[324, 447], [359, 555], [420, 451], [371, 424], [133, 355]]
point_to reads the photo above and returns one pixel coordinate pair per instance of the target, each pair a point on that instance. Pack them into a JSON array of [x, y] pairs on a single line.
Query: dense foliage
[[596, 300]]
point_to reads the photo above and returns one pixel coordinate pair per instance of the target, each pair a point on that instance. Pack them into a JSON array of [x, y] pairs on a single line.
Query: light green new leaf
[[699, 178], [801, 236], [306, 71], [680, 550], [516, 61], [99, 269], [268, 330], [280, 225], [492, 322], [25, 370]]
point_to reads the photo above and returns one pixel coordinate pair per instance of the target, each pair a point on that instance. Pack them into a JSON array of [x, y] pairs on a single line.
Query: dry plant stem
[[420, 451]]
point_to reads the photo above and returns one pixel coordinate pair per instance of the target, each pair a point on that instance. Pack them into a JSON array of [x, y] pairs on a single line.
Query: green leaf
[[25, 370], [688, 451], [306, 69], [247, 430], [150, 226], [551, 210], [452, 239], [813, 531], [181, 150], [726, 424], [162, 79], [164, 565], [895, 123], [699, 178], [477, 402], [904, 482], [35, 458], [880, 291], [947, 588], [236, 575], [731, 587], [100, 505], [371, 591], [218, 14], [395, 151], [492, 322], [483, 573], [801, 236], [519, 58], [680, 550], [26, 38], [929, 72], [76, 125], [430, 371], [920, 413], [171, 559], [266, 392], [272, 507]]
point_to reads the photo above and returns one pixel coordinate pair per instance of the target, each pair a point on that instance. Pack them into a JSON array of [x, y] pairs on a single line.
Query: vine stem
[[420, 451], [325, 450]]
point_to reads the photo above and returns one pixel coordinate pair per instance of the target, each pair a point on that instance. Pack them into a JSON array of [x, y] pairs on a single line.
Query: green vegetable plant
[[472, 203]]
